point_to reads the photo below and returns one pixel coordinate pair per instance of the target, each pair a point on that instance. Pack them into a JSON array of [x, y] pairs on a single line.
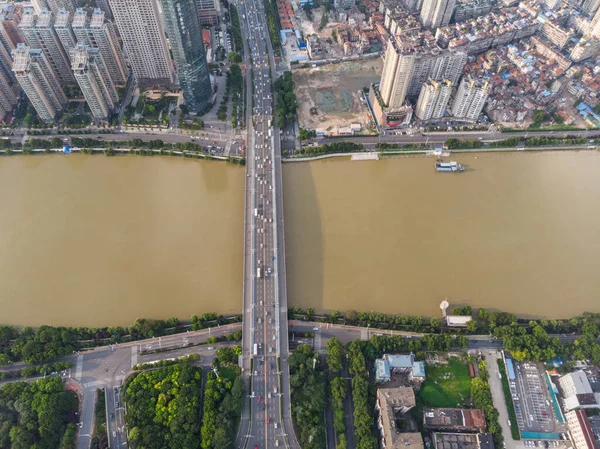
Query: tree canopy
[[308, 397], [39, 415], [164, 408]]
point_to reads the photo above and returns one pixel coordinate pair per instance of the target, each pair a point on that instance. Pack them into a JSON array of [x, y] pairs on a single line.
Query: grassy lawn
[[446, 385], [229, 371]]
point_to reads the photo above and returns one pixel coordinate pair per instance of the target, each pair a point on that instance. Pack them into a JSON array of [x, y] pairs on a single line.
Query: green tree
[[435, 323], [538, 116], [472, 326], [335, 354]]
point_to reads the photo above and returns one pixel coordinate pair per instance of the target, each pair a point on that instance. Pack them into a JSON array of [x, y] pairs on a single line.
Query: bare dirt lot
[[335, 91]]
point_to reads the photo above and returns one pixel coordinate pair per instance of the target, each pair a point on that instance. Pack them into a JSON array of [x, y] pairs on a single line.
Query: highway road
[[441, 137], [266, 420]]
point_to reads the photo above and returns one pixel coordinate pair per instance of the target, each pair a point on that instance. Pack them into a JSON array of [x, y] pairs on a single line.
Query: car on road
[[256, 446], [269, 420], [259, 398]]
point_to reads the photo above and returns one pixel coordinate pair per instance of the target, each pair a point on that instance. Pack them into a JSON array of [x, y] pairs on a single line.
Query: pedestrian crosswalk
[[79, 367]]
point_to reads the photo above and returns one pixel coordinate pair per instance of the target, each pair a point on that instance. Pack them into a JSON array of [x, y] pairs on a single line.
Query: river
[[91, 240], [515, 232]]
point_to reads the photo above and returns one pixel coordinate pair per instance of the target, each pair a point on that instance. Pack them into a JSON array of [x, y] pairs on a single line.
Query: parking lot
[[533, 407]]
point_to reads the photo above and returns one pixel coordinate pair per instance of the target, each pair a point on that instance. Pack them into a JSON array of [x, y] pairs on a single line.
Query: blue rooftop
[[382, 369], [419, 369], [400, 361]]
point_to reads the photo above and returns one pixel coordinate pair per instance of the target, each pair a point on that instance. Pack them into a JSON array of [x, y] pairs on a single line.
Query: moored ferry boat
[[448, 166]]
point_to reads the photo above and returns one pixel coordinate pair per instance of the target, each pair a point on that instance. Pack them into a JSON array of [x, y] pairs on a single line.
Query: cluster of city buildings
[[556, 408], [48, 46], [455, 59], [578, 392], [397, 377], [449, 60]]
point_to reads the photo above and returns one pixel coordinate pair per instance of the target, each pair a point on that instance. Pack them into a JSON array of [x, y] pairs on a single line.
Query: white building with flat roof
[[577, 392]]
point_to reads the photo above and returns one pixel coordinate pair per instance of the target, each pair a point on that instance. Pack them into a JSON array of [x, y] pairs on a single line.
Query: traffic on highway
[[266, 420]]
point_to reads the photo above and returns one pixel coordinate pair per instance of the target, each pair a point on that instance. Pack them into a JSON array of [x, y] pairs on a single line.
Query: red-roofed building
[[206, 38]]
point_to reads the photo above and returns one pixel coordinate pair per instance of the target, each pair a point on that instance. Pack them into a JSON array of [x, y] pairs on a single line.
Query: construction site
[[330, 97]]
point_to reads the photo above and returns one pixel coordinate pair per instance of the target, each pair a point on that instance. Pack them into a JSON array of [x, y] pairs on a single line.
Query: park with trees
[[40, 415], [363, 396], [338, 388], [222, 406], [163, 408], [308, 397]]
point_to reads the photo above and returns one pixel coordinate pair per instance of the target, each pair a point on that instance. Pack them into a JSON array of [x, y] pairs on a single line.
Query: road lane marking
[[134, 356], [79, 368], [92, 385]]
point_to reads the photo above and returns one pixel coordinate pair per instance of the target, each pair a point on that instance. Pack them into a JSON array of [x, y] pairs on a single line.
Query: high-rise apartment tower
[[144, 41], [8, 99], [53, 5], [407, 68], [437, 13], [97, 32], [433, 99], [470, 98], [94, 80], [38, 80], [62, 26], [38, 32]]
